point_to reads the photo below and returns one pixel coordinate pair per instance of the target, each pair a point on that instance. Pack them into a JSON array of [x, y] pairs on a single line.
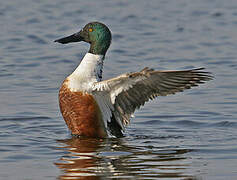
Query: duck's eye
[[90, 30]]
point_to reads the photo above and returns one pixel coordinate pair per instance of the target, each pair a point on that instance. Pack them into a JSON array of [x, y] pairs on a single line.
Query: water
[[191, 135]]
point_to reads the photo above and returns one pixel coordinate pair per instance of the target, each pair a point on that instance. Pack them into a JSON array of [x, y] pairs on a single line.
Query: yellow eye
[[90, 30]]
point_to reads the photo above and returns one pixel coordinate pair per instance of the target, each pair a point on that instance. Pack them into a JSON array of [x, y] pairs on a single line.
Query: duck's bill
[[73, 38]]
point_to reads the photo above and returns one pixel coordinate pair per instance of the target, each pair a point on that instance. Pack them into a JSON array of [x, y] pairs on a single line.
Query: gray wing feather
[[131, 90]]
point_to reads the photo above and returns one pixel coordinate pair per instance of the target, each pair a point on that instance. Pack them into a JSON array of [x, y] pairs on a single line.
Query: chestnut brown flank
[[81, 113]]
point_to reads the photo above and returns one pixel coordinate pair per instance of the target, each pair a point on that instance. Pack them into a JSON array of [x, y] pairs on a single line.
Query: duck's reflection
[[85, 158], [110, 158]]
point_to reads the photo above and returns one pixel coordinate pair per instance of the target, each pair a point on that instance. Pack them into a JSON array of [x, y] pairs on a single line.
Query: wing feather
[[131, 90]]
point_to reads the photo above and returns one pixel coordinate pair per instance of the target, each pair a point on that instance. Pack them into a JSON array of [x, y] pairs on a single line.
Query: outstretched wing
[[131, 90]]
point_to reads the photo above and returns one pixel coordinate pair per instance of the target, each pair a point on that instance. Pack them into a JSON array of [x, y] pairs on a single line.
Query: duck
[[96, 108]]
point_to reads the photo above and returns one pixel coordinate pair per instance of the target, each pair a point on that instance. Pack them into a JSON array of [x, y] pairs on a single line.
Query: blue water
[[190, 135]]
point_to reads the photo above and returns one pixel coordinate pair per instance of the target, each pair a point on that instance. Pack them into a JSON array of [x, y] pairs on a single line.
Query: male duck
[[95, 108]]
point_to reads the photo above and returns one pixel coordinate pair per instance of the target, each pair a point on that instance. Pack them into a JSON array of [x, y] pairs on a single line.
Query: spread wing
[[131, 90]]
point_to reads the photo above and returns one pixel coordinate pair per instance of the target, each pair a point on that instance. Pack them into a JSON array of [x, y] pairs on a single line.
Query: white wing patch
[[103, 106], [106, 107]]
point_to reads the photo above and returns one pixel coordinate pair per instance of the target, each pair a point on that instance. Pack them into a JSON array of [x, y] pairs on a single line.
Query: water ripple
[[184, 123], [24, 118], [36, 39]]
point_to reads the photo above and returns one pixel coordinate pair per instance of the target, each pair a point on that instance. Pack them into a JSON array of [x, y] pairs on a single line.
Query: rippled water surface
[[190, 135]]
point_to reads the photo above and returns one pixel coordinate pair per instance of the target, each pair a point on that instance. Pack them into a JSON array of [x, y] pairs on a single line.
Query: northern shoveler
[[95, 108]]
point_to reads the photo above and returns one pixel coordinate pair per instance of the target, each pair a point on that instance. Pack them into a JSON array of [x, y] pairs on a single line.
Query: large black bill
[[73, 38]]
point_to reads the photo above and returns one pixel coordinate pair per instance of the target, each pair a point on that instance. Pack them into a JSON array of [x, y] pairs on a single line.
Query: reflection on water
[[101, 159]]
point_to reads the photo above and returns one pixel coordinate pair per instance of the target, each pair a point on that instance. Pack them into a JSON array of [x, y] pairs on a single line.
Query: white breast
[[88, 72]]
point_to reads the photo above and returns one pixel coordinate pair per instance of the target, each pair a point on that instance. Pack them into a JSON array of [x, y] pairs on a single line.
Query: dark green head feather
[[95, 33]]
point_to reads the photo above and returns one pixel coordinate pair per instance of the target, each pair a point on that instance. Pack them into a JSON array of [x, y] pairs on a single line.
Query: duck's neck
[[98, 47], [91, 66], [88, 71], [100, 44]]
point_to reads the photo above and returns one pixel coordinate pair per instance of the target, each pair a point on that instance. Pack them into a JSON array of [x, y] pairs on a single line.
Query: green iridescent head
[[95, 33]]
